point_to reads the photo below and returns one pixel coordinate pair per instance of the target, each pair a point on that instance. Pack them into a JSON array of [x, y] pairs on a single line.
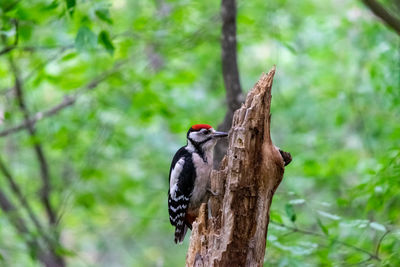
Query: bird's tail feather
[[180, 232]]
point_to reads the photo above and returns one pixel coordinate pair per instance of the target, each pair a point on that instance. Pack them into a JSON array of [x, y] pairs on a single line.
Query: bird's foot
[[215, 194]]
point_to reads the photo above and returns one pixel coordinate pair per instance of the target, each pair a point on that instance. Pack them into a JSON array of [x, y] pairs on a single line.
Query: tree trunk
[[230, 73], [232, 229]]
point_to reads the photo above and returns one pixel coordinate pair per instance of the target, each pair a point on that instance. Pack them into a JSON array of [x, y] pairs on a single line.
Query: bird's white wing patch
[[176, 171]]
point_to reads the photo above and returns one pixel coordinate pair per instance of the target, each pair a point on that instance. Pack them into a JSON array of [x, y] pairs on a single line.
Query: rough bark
[[231, 229]]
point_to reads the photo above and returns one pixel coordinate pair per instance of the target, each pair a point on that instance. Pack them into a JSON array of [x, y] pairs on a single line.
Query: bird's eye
[[205, 131]]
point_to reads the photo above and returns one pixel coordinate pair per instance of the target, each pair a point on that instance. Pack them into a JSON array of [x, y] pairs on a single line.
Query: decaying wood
[[231, 229]]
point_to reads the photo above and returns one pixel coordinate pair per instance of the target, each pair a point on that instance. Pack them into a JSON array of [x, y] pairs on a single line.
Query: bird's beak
[[219, 134]]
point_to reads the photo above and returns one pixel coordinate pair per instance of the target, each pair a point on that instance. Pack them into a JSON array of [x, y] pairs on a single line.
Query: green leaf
[[323, 228], [290, 212], [104, 15], [69, 56], [86, 200], [52, 5], [85, 39], [104, 40], [276, 217], [62, 251], [71, 6], [7, 115], [7, 6]]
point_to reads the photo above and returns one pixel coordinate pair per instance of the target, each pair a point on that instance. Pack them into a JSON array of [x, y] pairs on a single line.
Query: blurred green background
[[335, 107]]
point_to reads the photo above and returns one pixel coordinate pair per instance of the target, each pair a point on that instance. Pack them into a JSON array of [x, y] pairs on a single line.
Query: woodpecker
[[189, 177]]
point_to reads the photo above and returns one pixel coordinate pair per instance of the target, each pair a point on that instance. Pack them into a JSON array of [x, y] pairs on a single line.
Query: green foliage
[[104, 39], [70, 6], [335, 108], [86, 39], [290, 212], [104, 15]]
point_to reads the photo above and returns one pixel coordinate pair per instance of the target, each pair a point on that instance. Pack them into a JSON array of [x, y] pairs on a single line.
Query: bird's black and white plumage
[[189, 177]]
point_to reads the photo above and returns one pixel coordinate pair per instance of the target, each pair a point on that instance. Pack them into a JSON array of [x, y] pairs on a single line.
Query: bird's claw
[[212, 192]]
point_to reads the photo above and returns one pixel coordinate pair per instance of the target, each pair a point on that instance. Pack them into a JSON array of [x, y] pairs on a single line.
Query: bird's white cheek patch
[[195, 136]]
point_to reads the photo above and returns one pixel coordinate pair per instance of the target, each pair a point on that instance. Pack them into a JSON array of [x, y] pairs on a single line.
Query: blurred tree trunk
[[386, 17], [230, 72], [232, 230]]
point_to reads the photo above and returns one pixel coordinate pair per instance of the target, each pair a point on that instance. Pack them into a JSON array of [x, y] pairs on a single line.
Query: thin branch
[[307, 232], [44, 167], [21, 198], [10, 210], [37, 146], [378, 245], [14, 45], [383, 14], [9, 5], [38, 116], [68, 100], [43, 47], [7, 49], [21, 227], [362, 263], [38, 67], [48, 257], [33, 48]]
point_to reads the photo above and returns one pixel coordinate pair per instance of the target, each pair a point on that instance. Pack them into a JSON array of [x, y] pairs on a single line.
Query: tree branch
[[378, 245], [18, 193], [307, 232], [68, 100], [14, 45], [48, 258], [44, 167], [230, 72], [7, 49], [38, 67], [384, 15], [16, 39], [12, 213]]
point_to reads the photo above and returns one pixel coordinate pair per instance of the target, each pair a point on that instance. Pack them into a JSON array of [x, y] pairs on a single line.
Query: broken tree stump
[[231, 229]]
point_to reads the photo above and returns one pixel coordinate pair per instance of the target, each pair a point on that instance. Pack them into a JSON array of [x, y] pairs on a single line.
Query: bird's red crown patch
[[197, 127]]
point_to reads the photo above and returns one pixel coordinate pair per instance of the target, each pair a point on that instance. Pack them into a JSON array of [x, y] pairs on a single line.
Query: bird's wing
[[181, 179]]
